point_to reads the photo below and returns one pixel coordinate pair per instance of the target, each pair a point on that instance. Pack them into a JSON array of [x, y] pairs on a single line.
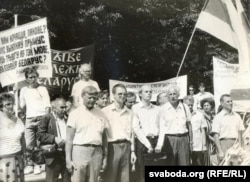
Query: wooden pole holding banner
[[15, 90], [189, 42]]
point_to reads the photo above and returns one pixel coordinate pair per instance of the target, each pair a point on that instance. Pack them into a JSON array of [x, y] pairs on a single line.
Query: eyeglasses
[[122, 94], [32, 77], [8, 105], [191, 89], [63, 107]]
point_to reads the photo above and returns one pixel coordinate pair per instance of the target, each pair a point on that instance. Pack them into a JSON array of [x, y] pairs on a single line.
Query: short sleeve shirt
[[198, 123], [10, 138], [88, 124], [120, 125], [227, 125]]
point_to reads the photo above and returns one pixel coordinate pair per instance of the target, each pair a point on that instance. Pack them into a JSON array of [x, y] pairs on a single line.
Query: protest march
[[113, 91]]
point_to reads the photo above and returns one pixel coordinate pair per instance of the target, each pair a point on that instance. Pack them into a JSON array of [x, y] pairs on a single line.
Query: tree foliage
[[136, 40]]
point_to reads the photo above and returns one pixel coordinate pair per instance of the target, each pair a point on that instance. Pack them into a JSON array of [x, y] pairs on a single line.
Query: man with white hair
[[85, 73], [175, 128]]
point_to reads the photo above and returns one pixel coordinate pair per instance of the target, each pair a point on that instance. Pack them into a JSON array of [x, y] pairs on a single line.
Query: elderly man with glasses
[[52, 131]]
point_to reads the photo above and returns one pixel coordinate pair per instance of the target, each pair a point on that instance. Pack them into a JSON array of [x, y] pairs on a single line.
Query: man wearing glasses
[[52, 131], [36, 100], [120, 138]]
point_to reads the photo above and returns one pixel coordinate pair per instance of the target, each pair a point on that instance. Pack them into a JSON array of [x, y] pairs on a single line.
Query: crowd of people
[[88, 138]]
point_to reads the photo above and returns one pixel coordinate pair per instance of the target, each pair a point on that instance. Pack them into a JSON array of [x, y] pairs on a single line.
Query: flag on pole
[[227, 21], [214, 19], [241, 29]]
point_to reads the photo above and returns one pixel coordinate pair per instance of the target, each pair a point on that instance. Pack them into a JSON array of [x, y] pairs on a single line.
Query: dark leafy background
[[135, 40]]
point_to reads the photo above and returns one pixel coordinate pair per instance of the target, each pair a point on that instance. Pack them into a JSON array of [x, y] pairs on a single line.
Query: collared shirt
[[173, 121], [61, 127], [227, 125], [35, 100], [119, 122], [88, 124], [198, 123], [79, 85], [145, 122]]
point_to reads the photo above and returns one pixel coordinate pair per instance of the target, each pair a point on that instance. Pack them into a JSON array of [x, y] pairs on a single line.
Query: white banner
[[24, 46], [225, 76], [157, 87]]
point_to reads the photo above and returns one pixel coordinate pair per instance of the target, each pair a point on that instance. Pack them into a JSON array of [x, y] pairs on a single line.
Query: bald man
[[85, 71], [52, 130]]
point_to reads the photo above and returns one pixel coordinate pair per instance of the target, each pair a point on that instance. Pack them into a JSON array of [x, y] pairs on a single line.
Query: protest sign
[[240, 93], [157, 87], [65, 66], [225, 76], [24, 46]]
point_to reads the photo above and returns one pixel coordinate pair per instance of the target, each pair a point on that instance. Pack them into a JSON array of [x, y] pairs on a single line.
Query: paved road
[[36, 177]]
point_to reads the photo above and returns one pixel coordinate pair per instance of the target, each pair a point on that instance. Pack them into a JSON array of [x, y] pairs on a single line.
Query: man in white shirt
[[84, 73], [227, 127], [175, 128], [52, 130], [86, 139], [36, 100], [120, 140], [146, 127]]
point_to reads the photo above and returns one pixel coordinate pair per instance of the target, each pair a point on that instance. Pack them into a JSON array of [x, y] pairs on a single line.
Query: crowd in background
[[88, 138]]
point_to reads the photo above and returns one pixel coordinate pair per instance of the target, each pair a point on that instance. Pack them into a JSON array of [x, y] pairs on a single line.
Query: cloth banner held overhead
[[24, 46], [225, 76], [157, 87], [66, 68]]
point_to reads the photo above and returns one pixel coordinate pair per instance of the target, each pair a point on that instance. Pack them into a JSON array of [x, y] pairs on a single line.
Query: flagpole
[[189, 42], [15, 85]]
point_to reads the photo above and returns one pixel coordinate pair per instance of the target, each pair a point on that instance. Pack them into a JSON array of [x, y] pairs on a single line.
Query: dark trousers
[[177, 149], [200, 158], [57, 167], [140, 151]]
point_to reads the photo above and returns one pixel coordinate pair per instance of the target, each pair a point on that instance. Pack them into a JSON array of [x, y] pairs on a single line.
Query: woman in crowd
[[208, 108], [103, 99], [11, 141]]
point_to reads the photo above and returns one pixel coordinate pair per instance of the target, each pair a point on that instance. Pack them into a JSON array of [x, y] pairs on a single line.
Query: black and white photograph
[[124, 90]]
